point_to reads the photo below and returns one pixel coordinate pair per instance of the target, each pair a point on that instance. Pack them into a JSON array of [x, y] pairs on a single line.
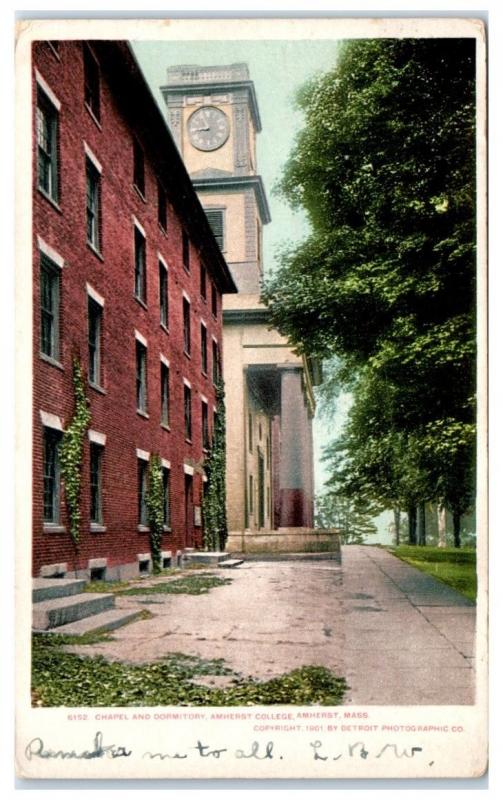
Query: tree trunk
[[421, 533], [412, 514], [456, 522], [396, 515], [441, 527]]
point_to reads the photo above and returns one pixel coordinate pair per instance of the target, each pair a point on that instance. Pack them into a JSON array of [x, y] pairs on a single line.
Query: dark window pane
[[96, 482], [93, 205], [162, 211], [94, 341], [91, 82], [138, 167], [47, 145], [164, 394], [141, 377], [204, 350], [186, 325], [51, 475], [216, 220], [163, 294], [142, 492], [185, 251], [49, 308], [140, 281], [187, 396]]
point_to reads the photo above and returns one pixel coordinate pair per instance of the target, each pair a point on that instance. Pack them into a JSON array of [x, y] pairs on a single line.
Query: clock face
[[208, 128]]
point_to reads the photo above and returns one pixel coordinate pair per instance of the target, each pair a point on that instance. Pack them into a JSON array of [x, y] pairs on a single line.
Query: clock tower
[[214, 118]]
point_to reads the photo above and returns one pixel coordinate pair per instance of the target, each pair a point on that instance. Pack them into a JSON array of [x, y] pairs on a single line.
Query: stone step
[[49, 588], [230, 563], [61, 610], [202, 557], [98, 623]]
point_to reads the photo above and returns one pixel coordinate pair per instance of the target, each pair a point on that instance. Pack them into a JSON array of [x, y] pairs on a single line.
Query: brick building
[[128, 279]]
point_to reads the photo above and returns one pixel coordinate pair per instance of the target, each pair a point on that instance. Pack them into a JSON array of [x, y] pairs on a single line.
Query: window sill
[[142, 413], [141, 302], [143, 529], [50, 527], [97, 388], [50, 200], [139, 193], [96, 252], [52, 361], [93, 116], [96, 527], [165, 427], [166, 529]]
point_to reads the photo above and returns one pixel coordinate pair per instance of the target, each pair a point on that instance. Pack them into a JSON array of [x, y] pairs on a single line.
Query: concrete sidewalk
[[397, 636], [409, 639]]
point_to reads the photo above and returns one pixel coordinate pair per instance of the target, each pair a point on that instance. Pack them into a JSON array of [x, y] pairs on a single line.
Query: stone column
[[295, 468]]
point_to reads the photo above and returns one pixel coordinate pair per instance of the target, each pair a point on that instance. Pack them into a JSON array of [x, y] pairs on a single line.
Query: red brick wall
[[114, 411]]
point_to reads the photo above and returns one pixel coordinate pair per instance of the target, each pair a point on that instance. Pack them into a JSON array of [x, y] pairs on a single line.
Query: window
[[164, 394], [162, 209], [187, 406], [91, 82], [166, 517], [96, 461], [186, 326], [50, 278], [202, 281], [47, 145], [186, 251], [140, 271], [214, 301], [138, 168], [141, 377], [204, 349], [94, 313], [93, 206], [51, 475], [142, 492], [205, 425], [250, 492], [268, 451], [250, 433], [259, 243], [163, 295], [216, 219], [216, 362]]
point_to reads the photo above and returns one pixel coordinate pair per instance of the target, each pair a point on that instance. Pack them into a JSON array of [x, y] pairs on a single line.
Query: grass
[[455, 567], [60, 678], [189, 584]]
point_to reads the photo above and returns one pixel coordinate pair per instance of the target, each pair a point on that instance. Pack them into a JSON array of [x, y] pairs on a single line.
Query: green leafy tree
[[353, 519], [214, 500], [385, 170]]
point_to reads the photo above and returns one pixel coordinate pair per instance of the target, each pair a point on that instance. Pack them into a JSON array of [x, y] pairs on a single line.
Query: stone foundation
[[284, 540]]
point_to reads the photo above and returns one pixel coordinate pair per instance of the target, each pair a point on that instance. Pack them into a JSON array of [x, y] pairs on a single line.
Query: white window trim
[[47, 90], [144, 455], [139, 226], [48, 251], [204, 324], [89, 153], [93, 294], [214, 339], [140, 338], [97, 438], [204, 399], [162, 260], [51, 421], [164, 360], [188, 470], [166, 464], [187, 383], [186, 296]]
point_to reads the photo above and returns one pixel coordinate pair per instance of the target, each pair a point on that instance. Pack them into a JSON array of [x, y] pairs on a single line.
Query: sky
[[278, 69]]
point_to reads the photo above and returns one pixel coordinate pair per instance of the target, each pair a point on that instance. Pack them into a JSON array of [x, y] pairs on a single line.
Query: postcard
[[251, 398]]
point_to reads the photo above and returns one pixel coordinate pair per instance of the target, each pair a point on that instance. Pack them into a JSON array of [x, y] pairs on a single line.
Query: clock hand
[[196, 130]]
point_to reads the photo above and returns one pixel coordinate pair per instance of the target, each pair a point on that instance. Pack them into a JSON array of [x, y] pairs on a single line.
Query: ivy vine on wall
[[155, 509], [214, 500], [72, 451]]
